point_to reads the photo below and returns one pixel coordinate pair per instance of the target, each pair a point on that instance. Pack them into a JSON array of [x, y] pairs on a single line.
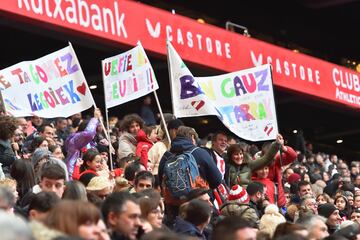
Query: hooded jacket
[[207, 169], [186, 228], [143, 147]]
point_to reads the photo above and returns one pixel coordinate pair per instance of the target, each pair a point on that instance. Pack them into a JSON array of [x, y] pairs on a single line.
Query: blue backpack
[[181, 172]]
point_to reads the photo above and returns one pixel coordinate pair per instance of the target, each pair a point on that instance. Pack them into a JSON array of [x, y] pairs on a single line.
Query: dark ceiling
[[325, 29]]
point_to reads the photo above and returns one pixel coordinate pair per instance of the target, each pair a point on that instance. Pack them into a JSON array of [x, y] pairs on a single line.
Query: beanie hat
[[238, 193], [293, 178], [98, 183], [326, 209], [39, 154]]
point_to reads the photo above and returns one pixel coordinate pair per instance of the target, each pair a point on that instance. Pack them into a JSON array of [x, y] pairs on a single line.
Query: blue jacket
[[207, 167], [186, 228]]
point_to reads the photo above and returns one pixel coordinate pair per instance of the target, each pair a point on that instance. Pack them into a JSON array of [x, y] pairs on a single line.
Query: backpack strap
[[195, 148]]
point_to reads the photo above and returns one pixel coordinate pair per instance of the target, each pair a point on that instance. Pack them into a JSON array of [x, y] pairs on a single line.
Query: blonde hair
[[8, 182]]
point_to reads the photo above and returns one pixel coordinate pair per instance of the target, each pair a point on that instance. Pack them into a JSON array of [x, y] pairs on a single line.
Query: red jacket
[[275, 172], [77, 174], [143, 147]]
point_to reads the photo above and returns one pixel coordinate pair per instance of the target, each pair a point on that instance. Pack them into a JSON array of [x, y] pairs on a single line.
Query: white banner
[[243, 100], [128, 76], [51, 86]]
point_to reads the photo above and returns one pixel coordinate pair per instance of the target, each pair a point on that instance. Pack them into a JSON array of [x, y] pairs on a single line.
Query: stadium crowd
[[62, 179]]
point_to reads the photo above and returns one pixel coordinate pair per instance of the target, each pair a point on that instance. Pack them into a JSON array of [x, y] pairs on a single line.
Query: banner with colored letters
[[51, 86], [128, 76], [243, 100]]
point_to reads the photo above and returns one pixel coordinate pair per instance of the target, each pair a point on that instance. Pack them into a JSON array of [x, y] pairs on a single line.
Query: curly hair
[[129, 119], [8, 125]]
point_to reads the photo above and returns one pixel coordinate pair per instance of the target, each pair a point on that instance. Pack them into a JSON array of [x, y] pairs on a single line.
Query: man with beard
[[256, 191]]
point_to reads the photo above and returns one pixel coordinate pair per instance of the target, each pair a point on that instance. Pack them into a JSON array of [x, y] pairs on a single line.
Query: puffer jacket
[[243, 210], [241, 174]]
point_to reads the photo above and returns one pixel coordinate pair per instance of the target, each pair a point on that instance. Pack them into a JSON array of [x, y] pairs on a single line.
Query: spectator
[[144, 180], [219, 145], [315, 225], [7, 199], [234, 228], [8, 125], [152, 208], [12, 227], [355, 215], [240, 165], [76, 141], [256, 192], [22, 171], [304, 189], [91, 162], [41, 204], [75, 218], [342, 204], [331, 213], [75, 190], [146, 112], [209, 174], [61, 126], [323, 198], [290, 228], [196, 217], [238, 205], [270, 220], [159, 148], [100, 186], [122, 215], [130, 126], [146, 138], [57, 152], [52, 179]]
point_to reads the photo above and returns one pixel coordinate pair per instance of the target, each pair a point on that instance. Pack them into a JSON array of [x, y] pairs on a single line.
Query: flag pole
[[92, 98], [107, 119], [156, 97], [170, 75], [162, 117]]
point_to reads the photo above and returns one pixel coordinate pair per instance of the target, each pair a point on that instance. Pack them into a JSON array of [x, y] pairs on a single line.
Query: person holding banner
[[240, 166], [8, 125], [130, 126], [76, 141]]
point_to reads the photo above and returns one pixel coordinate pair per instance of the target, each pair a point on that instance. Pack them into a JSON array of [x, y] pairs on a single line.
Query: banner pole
[[170, 75], [107, 120], [93, 101], [162, 117], [272, 82]]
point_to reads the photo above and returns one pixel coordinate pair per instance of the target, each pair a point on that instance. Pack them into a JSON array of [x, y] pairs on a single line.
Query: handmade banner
[[243, 100], [128, 76], [51, 86]]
